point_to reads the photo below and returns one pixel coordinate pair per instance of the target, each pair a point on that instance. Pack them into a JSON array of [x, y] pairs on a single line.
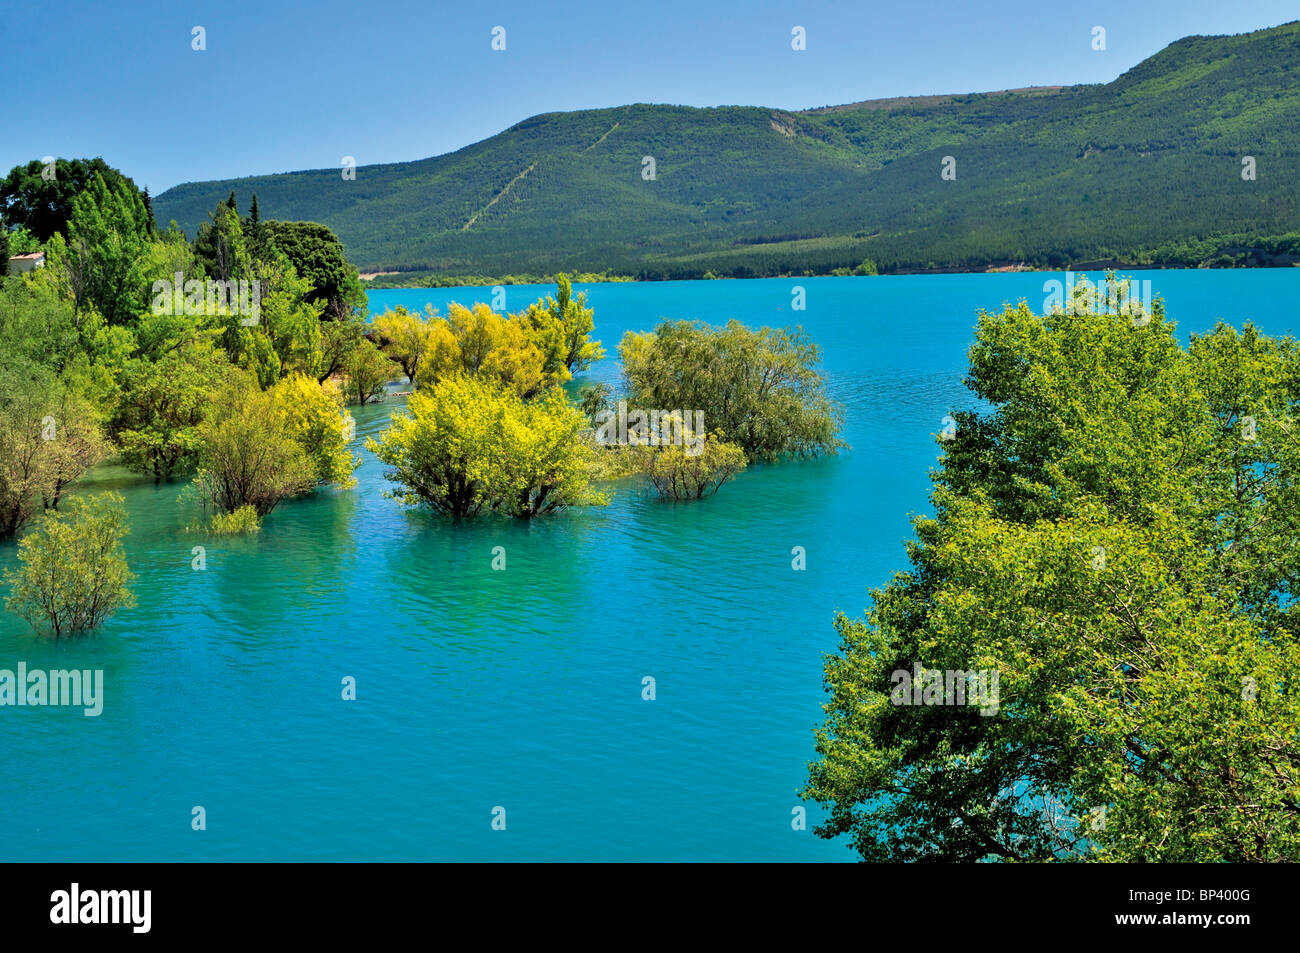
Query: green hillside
[[1145, 169]]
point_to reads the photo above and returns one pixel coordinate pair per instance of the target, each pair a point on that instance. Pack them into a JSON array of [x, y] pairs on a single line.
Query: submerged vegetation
[[73, 573], [760, 390], [215, 359], [490, 429], [1111, 566], [227, 361], [469, 445]]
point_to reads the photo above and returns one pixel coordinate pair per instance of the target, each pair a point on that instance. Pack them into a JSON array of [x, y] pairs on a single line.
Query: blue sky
[[285, 86]]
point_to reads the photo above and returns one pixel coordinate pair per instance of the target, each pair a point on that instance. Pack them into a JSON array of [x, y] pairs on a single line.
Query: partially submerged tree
[[49, 437], [366, 373], [759, 389], [159, 420], [565, 323], [73, 572], [482, 343], [406, 337], [251, 455], [321, 426], [539, 465], [467, 446], [692, 472]]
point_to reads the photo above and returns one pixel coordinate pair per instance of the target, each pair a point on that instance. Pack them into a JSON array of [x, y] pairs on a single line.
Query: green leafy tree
[[469, 445], [367, 372], [151, 225], [220, 246], [338, 339], [41, 200], [539, 465], [761, 390], [317, 255], [104, 255], [164, 404], [37, 326], [73, 438], [686, 473], [1112, 547], [565, 323], [252, 455], [406, 337], [320, 425], [594, 398], [21, 240], [480, 342], [73, 572], [49, 437], [436, 450]]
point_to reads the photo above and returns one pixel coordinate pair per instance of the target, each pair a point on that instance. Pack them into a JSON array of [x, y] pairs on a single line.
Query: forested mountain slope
[[1145, 168]]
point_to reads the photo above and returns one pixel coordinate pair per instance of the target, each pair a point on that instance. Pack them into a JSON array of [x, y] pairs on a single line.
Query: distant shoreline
[[424, 280]]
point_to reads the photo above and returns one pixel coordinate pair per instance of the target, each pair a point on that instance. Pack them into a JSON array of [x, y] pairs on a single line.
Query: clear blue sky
[[296, 85]]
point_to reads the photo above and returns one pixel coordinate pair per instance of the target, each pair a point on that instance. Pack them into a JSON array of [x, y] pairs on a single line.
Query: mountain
[[1147, 168]]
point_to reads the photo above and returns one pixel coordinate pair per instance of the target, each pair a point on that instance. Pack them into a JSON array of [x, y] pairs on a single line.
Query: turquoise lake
[[522, 688]]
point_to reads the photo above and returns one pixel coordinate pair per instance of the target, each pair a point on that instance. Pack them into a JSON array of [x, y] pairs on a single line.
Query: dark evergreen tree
[[148, 208]]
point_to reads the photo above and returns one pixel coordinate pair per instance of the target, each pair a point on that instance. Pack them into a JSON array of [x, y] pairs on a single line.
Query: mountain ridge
[[1047, 175]]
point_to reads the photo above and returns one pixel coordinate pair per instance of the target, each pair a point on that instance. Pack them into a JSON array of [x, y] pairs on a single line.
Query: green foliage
[[538, 464], [759, 389], [1114, 538], [287, 336], [320, 425], [21, 240], [41, 201], [251, 455], [1048, 176], [317, 255], [239, 523], [692, 473], [220, 246], [564, 323], [36, 326], [49, 436], [406, 337], [868, 267], [73, 573], [108, 234], [105, 331], [593, 398], [367, 372], [159, 421], [338, 339], [469, 445], [480, 342]]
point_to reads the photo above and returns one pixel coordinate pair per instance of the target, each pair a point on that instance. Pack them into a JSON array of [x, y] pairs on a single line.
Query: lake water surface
[[522, 688]]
